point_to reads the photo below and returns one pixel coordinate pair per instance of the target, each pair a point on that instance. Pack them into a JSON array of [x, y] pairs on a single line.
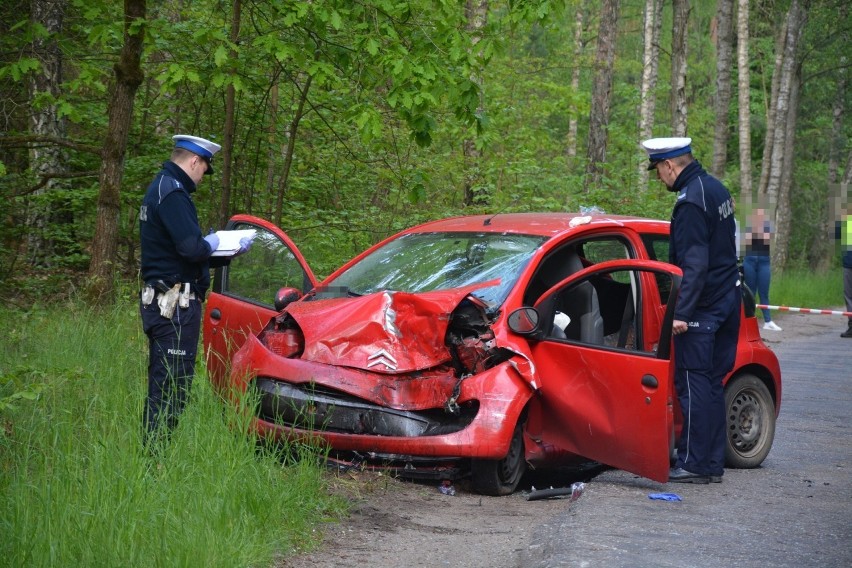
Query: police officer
[[176, 262], [707, 314]]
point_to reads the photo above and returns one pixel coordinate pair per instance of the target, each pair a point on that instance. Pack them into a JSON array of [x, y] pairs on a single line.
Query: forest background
[[346, 121]]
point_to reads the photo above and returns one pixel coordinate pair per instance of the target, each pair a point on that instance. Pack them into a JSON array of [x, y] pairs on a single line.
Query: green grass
[[75, 487], [808, 289]]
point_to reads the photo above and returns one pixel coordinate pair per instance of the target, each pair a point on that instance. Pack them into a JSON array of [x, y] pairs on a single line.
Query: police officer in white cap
[[176, 262], [707, 314]]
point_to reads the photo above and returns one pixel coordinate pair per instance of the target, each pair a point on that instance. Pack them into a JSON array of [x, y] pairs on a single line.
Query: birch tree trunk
[[128, 77], [771, 112], [744, 100], [680, 21], [722, 100], [230, 121], [48, 160], [652, 24], [784, 215], [601, 91], [476, 13], [796, 17], [571, 138]]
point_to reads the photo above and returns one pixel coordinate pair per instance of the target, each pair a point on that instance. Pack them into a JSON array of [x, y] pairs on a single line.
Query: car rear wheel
[[750, 421], [501, 477]]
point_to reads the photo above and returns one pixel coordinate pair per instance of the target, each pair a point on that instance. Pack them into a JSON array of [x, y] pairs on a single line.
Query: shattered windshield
[[423, 262]]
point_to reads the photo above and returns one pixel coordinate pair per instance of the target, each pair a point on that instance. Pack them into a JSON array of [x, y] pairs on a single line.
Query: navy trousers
[[172, 348], [703, 356]]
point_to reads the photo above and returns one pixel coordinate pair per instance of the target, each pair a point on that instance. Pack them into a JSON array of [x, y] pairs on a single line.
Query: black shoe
[[715, 479], [679, 475], [848, 332]]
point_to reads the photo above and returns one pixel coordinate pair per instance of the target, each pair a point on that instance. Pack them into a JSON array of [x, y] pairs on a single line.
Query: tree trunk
[[601, 92], [45, 121], [653, 20], [291, 146], [796, 17], [838, 109], [744, 101], [128, 77], [784, 215], [476, 13], [821, 248], [571, 138], [230, 120], [680, 22], [271, 142], [722, 100], [771, 112]]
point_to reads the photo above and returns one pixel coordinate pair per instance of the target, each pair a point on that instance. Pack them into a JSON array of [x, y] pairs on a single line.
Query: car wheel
[[750, 421], [501, 477]]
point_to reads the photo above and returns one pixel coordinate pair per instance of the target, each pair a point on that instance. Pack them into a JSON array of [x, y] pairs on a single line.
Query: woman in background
[[756, 265]]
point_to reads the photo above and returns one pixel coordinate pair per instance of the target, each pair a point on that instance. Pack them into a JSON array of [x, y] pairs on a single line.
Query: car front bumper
[[356, 410]]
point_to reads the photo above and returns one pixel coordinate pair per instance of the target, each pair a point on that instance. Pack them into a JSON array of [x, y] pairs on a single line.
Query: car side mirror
[[285, 296], [524, 321]]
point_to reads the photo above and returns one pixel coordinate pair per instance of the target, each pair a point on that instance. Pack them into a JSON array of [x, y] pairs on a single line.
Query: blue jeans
[[757, 276]]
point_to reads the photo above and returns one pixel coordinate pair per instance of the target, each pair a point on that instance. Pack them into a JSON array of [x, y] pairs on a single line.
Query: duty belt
[[167, 298]]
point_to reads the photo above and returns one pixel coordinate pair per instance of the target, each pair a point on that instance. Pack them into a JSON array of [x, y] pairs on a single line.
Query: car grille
[[322, 409]]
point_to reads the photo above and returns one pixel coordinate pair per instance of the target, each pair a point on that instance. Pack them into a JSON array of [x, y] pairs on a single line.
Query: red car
[[486, 343]]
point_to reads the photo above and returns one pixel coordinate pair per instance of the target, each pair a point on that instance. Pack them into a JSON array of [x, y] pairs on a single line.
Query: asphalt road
[[794, 511]]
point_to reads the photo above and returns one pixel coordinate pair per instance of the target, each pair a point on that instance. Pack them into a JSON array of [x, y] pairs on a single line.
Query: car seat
[[580, 303]]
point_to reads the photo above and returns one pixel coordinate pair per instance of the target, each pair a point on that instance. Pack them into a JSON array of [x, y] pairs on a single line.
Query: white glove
[[212, 240], [245, 245]]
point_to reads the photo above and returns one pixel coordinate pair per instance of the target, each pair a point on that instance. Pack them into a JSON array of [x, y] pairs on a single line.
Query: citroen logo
[[382, 357]]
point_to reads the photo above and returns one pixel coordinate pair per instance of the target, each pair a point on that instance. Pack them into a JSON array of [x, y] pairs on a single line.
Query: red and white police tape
[[805, 310]]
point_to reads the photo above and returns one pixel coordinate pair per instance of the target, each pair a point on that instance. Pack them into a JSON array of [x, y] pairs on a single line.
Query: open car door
[[242, 298], [607, 375]]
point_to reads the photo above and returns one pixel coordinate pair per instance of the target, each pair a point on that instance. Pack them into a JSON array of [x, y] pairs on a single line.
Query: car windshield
[[422, 262]]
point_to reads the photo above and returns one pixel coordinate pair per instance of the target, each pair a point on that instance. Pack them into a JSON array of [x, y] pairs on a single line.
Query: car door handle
[[650, 381], [215, 314]]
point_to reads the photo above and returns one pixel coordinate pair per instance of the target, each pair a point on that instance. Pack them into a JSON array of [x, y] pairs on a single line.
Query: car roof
[[543, 224]]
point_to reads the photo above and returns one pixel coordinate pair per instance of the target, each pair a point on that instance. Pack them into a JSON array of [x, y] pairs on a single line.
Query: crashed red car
[[482, 344]]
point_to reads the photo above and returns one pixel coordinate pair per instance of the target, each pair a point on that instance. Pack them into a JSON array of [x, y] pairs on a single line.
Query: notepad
[[229, 241]]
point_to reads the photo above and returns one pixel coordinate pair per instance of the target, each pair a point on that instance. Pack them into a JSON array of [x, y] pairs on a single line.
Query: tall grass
[[77, 490], [807, 289]]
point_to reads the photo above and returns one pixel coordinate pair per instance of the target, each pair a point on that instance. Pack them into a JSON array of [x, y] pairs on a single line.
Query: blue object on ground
[[665, 496]]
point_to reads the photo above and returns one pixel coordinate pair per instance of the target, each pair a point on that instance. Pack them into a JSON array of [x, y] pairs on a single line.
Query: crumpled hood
[[385, 332]]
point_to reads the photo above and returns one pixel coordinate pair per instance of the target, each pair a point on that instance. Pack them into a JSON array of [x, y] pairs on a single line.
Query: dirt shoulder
[[403, 523], [406, 523]]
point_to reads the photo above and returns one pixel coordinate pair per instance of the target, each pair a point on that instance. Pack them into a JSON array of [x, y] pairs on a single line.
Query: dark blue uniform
[[703, 245], [173, 251]]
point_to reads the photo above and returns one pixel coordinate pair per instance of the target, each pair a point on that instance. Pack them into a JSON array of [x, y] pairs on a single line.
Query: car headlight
[[285, 343]]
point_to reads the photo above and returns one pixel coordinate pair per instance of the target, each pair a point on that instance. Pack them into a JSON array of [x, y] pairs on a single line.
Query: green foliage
[[389, 92], [21, 384], [17, 70]]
